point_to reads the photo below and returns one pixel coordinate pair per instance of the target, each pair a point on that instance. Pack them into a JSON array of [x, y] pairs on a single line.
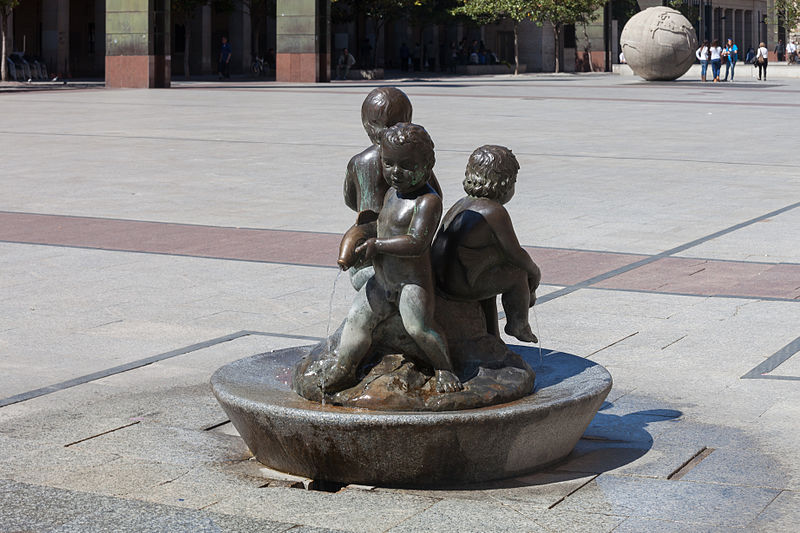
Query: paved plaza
[[148, 237]]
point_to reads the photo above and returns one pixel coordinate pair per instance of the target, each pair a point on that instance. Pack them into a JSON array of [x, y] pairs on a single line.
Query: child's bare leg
[[368, 310], [416, 311], [489, 307], [360, 276], [516, 303]]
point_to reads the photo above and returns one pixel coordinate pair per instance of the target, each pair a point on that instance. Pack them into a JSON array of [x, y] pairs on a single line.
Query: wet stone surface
[[491, 373]]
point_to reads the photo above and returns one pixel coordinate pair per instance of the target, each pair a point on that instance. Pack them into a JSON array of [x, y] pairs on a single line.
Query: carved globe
[[659, 44]]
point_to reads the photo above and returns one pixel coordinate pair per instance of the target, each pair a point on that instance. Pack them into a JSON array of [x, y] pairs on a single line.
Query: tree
[[6, 7], [380, 11], [789, 12], [556, 12], [562, 12], [183, 12], [489, 11]]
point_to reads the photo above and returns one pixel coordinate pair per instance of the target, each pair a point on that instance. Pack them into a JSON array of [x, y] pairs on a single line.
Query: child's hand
[[369, 248]]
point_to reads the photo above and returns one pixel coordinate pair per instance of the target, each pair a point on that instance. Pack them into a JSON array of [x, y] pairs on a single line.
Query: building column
[[242, 50], [303, 35], [137, 43], [207, 65], [55, 36]]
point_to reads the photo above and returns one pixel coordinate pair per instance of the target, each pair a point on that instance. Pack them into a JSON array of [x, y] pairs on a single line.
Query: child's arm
[[418, 238], [503, 229]]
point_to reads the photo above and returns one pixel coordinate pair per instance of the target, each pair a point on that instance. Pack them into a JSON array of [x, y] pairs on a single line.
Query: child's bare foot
[[523, 333], [446, 381], [333, 377]]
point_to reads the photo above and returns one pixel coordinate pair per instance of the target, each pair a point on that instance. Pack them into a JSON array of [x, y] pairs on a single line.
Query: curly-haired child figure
[[476, 254], [403, 280]]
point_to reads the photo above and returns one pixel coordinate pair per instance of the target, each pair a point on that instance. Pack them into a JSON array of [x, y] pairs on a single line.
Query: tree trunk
[[556, 43], [516, 47], [187, 37], [379, 24], [588, 48], [3, 60]]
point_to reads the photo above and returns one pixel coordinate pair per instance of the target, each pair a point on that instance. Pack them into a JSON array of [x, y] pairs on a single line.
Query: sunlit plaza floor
[[149, 237]]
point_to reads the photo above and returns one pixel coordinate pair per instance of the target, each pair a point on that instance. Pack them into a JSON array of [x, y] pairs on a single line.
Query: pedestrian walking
[[702, 56], [346, 61], [715, 55], [224, 64], [732, 54], [761, 60]]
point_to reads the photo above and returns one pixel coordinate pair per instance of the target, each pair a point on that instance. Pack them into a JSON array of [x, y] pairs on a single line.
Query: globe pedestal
[[412, 449]]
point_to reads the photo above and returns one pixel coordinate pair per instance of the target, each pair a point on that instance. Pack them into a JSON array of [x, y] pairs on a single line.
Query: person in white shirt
[[761, 60], [715, 53], [791, 49], [346, 61], [702, 56]]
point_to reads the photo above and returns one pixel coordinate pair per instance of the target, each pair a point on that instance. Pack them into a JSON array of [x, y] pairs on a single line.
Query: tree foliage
[[380, 11], [788, 11], [556, 12], [6, 7]]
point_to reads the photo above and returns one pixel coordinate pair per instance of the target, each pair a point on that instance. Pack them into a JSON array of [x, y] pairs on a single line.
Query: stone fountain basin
[[409, 449]]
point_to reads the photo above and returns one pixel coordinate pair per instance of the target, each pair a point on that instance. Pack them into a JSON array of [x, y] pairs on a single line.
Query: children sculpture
[[422, 332], [364, 184], [477, 255]]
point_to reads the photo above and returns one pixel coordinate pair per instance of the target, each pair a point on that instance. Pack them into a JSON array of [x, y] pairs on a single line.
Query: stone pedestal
[[137, 43], [394, 448], [302, 32]]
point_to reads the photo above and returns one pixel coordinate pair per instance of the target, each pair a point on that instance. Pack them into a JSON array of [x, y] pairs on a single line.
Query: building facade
[[75, 37]]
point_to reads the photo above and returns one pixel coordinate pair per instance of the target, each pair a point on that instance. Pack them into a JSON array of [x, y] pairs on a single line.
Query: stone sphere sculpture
[[659, 44]]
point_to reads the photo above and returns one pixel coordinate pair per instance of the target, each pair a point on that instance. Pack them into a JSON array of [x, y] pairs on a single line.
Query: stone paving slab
[[610, 178], [694, 503]]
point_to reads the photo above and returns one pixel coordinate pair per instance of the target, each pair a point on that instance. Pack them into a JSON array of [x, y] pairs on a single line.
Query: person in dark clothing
[[224, 65]]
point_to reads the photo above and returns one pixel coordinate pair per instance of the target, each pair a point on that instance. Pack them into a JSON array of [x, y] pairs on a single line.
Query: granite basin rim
[[407, 448]]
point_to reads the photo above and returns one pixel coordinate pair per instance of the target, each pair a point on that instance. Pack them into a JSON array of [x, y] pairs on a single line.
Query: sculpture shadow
[[617, 436]]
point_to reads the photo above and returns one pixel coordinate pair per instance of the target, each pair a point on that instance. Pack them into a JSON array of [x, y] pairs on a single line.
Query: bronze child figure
[[476, 254], [364, 183], [403, 281], [364, 186]]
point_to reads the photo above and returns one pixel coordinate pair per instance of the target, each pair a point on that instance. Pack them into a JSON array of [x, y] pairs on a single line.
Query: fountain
[[416, 387]]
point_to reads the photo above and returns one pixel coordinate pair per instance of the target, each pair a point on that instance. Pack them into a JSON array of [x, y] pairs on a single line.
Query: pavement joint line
[[573, 492], [692, 462], [667, 253], [94, 376], [774, 361], [101, 434], [612, 344]]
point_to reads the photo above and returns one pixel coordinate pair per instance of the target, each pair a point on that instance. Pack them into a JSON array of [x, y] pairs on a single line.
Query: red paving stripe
[[709, 278], [297, 247], [559, 266]]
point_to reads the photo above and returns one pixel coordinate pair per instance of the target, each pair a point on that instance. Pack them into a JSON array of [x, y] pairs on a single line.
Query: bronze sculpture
[[477, 255], [422, 335], [425, 318], [364, 184]]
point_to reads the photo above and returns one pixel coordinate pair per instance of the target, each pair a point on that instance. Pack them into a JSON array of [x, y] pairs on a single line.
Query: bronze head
[[407, 156], [384, 107], [491, 173]]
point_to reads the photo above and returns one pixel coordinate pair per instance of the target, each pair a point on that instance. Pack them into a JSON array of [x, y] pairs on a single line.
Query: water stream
[[538, 333], [328, 330]]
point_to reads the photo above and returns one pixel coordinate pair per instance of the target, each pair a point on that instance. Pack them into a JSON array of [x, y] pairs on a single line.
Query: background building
[[73, 37]]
